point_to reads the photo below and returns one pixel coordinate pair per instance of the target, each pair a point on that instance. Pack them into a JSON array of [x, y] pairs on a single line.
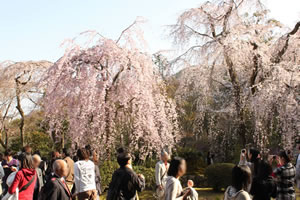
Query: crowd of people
[[27, 176], [253, 178]]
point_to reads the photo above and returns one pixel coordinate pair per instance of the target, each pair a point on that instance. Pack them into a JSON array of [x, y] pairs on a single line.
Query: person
[[70, 177], [125, 182], [9, 165], [49, 172], [40, 179], [2, 174], [25, 178], [27, 149], [194, 193], [97, 173], [84, 173], [263, 186], [285, 176], [253, 157], [241, 179], [56, 188], [209, 158], [174, 189], [298, 169], [43, 165], [88, 147], [161, 170]]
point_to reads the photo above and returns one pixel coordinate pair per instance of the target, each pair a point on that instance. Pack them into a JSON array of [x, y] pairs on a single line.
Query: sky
[[35, 29]]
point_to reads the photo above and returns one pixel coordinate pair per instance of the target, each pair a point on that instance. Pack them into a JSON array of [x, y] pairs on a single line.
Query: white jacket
[[232, 194], [161, 173], [173, 189], [84, 173]]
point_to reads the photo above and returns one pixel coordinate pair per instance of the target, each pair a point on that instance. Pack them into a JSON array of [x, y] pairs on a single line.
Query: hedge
[[219, 175]]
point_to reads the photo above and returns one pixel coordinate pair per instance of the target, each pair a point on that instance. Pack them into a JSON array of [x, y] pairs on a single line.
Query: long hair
[[26, 161], [264, 170], [241, 177], [286, 155]]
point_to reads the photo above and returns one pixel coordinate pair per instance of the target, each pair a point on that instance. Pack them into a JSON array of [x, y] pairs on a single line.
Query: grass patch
[[204, 194]]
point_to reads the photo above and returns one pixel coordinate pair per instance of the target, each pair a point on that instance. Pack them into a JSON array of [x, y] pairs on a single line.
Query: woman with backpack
[[25, 178]]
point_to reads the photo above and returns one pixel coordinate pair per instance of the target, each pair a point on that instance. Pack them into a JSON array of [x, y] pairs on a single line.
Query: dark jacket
[[55, 190], [98, 179], [263, 189], [124, 185]]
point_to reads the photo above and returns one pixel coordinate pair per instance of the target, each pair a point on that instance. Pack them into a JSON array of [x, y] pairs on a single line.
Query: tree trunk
[[21, 112], [241, 131]]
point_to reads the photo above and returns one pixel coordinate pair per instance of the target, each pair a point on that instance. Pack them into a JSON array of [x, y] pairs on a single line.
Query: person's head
[[36, 160], [190, 183], [253, 155], [27, 149], [55, 155], [66, 153], [95, 158], [285, 156], [177, 167], [164, 156], [264, 170], [89, 149], [60, 168], [37, 152], [83, 154], [123, 157], [26, 161], [8, 154], [241, 177]]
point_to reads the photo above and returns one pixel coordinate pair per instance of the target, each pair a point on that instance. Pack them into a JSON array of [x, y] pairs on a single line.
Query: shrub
[[107, 169], [219, 175], [194, 159]]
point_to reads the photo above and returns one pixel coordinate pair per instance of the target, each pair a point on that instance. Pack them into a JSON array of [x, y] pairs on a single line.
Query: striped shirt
[[285, 182]]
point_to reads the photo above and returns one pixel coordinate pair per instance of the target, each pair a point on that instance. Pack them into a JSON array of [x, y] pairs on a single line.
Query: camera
[[243, 151]]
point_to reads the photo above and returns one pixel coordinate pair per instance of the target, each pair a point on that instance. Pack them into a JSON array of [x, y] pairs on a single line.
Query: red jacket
[[21, 179]]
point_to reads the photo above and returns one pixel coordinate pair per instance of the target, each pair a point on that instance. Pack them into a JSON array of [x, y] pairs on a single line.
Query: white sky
[[34, 30]]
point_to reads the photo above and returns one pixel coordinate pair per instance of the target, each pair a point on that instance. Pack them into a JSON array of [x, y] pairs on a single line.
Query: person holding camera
[[285, 176], [253, 156]]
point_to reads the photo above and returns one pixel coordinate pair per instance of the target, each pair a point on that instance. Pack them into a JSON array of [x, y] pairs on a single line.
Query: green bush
[[194, 159], [107, 169], [219, 175]]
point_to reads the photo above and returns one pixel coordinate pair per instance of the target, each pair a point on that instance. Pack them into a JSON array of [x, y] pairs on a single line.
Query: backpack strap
[[28, 184]]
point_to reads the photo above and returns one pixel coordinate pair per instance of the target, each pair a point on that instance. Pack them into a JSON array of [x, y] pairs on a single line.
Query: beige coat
[[70, 178]]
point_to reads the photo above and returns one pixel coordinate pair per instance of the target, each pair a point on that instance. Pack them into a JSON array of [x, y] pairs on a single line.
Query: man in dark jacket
[[125, 182], [56, 188]]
